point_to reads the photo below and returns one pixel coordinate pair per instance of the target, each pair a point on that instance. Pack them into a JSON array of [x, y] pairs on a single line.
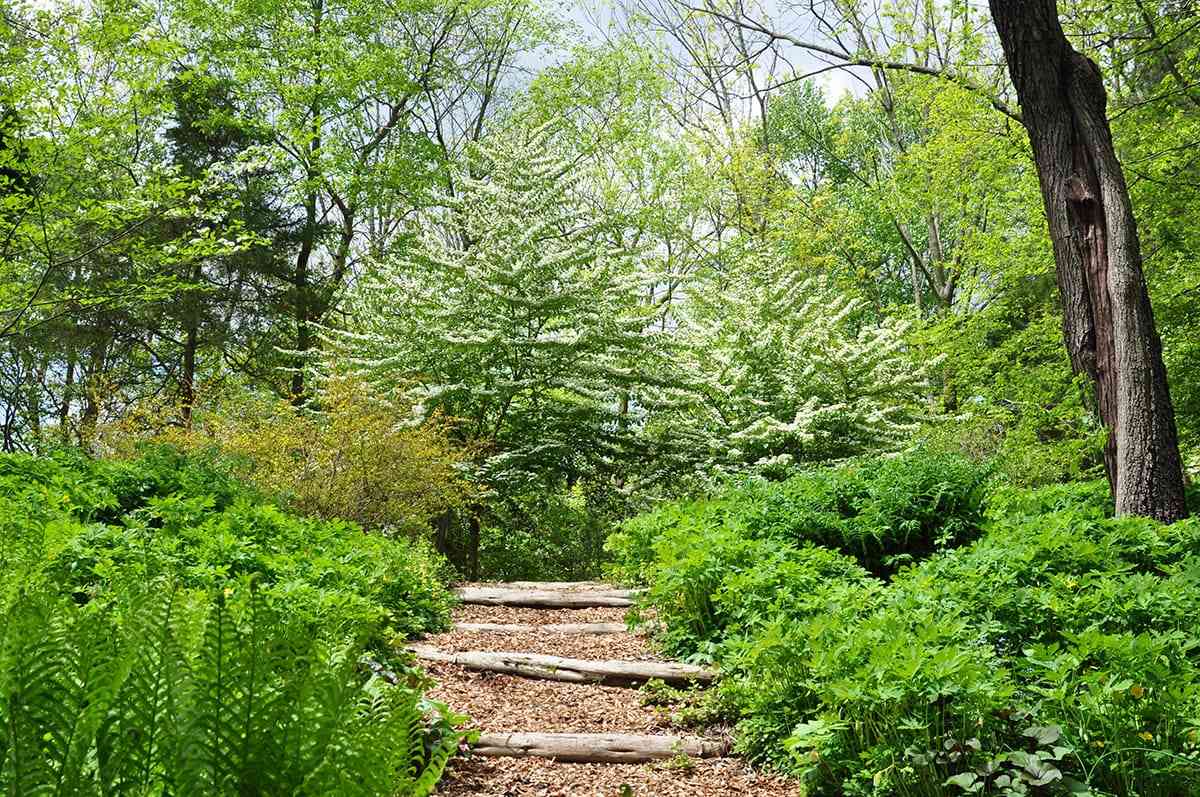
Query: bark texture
[[1108, 324], [604, 748], [557, 668]]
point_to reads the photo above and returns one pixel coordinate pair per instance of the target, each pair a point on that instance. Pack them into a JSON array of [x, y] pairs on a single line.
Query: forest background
[[590, 264]]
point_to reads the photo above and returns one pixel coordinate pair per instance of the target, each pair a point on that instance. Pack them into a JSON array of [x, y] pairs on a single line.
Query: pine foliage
[[526, 329]]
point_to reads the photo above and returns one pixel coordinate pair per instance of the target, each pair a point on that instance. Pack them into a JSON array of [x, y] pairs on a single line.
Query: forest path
[[507, 708]]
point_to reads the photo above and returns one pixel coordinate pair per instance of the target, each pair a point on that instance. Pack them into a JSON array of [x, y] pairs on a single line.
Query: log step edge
[[557, 668], [545, 599], [603, 748], [549, 628]]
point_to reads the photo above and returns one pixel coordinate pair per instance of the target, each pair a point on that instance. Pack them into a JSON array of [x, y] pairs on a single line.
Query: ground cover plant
[[1051, 651], [167, 630]]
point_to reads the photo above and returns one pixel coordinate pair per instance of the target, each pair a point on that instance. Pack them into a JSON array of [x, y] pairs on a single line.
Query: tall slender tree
[[1107, 318]]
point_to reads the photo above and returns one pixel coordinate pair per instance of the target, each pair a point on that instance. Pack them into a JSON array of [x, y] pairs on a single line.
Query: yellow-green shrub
[[347, 457]]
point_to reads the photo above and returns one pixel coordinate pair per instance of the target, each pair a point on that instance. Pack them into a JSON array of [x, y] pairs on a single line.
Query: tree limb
[[847, 60]]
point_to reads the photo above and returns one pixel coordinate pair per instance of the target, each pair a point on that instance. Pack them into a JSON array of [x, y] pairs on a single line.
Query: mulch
[[504, 703], [629, 647], [528, 777], [519, 614]]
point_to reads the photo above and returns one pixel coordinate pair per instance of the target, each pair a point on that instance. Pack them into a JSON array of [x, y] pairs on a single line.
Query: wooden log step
[[541, 585], [545, 599], [549, 628], [557, 668], [605, 748]]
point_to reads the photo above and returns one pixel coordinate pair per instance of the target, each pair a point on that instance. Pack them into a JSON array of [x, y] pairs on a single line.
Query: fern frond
[[208, 732], [87, 691], [32, 661], [138, 741]]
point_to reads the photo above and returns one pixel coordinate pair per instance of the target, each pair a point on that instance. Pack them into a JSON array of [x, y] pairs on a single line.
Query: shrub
[[710, 585], [1090, 499], [1056, 652], [168, 515], [162, 630], [349, 459], [1082, 625], [917, 504], [883, 512], [543, 535]]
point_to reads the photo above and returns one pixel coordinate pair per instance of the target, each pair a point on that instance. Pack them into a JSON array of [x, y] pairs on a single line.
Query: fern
[[182, 695], [423, 775], [60, 677], [31, 666], [138, 742], [86, 690], [196, 684]]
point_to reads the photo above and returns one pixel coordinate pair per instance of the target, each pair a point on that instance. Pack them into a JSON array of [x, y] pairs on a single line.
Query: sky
[[592, 17]]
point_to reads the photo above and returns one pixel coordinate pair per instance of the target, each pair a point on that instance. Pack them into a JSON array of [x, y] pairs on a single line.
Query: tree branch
[[847, 60]]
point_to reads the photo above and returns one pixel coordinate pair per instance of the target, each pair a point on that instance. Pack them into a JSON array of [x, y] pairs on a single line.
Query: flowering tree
[[781, 369], [516, 321]]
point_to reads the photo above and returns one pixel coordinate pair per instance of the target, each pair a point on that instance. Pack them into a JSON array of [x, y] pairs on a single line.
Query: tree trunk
[[300, 284], [190, 345], [64, 410], [473, 546], [1107, 320], [10, 420], [308, 242], [93, 378], [441, 532]]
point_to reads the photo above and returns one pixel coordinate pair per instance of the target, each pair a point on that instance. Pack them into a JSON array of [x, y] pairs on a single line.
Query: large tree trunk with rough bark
[[1107, 320]]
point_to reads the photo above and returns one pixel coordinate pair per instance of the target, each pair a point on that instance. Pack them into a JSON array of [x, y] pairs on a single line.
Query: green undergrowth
[[544, 535], [990, 641], [882, 512], [166, 630]]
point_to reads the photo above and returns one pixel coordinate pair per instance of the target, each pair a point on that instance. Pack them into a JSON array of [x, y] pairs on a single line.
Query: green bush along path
[[913, 626], [164, 630]]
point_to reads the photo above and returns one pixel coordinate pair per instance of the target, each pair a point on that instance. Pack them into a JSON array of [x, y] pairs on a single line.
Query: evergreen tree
[[234, 307]]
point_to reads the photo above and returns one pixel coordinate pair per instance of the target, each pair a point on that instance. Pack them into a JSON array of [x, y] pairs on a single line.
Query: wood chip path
[[506, 708]]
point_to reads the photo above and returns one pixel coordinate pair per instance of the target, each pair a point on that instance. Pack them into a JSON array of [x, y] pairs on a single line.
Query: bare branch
[[847, 60]]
